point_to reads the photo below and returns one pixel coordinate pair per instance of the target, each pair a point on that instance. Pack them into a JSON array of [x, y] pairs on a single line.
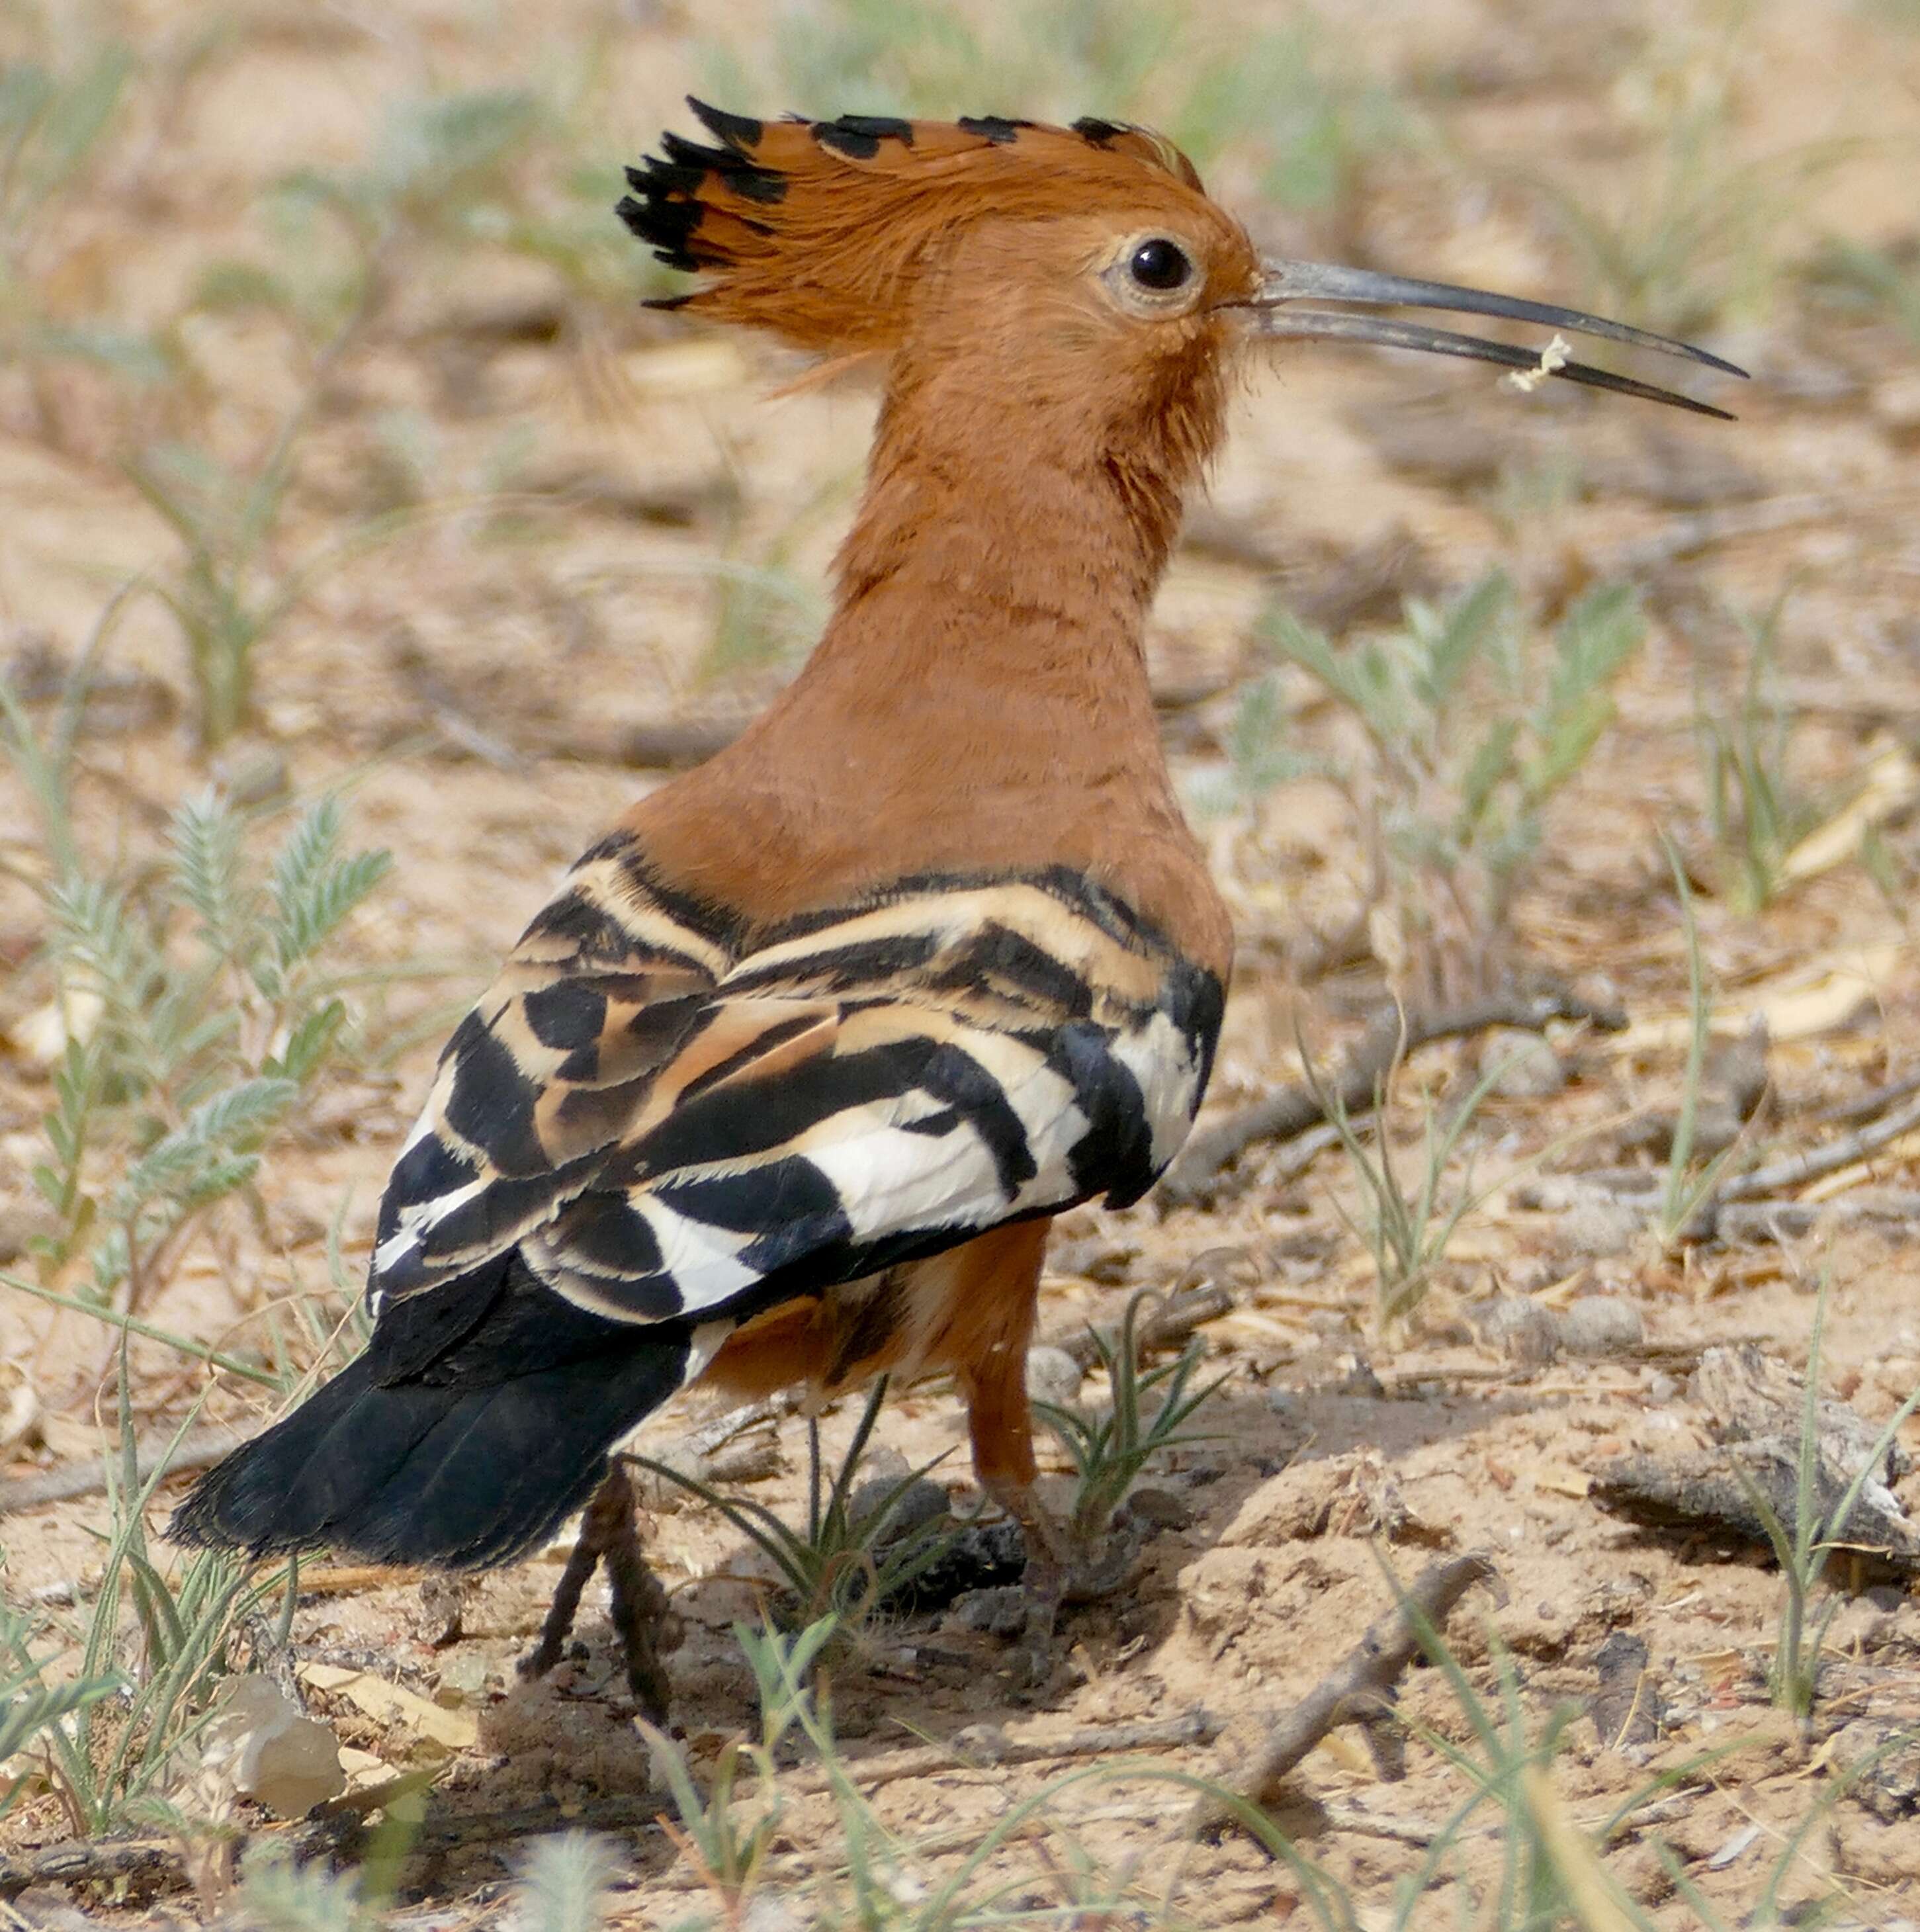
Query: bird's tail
[[421, 1472]]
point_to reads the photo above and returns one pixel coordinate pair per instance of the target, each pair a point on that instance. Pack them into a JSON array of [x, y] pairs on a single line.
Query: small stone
[[1883, 1759], [254, 777], [1001, 1611], [1662, 1388], [1159, 1509], [767, 1912], [653, 1491], [1523, 1066], [1601, 1324], [921, 1500], [271, 1751], [1525, 1331], [438, 1622], [1053, 1376], [1601, 1225]]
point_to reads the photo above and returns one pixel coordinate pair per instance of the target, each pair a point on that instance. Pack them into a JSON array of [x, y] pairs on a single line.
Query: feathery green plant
[[198, 1015], [1470, 720]]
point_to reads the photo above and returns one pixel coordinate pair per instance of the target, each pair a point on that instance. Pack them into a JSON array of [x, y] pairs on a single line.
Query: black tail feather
[[422, 1472]]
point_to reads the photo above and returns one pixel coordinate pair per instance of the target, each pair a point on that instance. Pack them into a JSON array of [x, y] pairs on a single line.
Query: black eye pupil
[[1160, 264]]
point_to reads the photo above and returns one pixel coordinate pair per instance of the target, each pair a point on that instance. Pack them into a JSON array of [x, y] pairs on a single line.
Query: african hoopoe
[[785, 1083]]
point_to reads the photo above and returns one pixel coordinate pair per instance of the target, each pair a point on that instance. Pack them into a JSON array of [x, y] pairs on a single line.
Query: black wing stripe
[[670, 1121]]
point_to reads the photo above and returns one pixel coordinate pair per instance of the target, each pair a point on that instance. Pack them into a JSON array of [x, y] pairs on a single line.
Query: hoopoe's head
[[1078, 277]]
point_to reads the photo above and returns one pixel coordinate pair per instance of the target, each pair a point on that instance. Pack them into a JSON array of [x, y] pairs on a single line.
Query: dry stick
[[194, 1451], [141, 1867], [1844, 1152], [1167, 1328], [985, 1747], [1359, 1692], [1866, 1106], [1391, 1032]]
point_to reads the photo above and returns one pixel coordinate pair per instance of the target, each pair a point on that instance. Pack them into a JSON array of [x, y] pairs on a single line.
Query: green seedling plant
[[34, 1698], [1757, 813], [1803, 1547], [146, 1683], [1406, 1233], [728, 1834], [864, 1875], [843, 1565], [1111, 1448], [1470, 721], [1686, 1191]]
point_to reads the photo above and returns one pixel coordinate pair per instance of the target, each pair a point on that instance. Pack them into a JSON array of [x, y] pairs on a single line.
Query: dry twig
[[1192, 1179], [1810, 1165], [985, 1746], [1361, 1691], [194, 1451], [1167, 1328]]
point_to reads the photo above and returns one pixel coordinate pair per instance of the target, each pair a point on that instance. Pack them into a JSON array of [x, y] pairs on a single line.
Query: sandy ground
[[476, 683]]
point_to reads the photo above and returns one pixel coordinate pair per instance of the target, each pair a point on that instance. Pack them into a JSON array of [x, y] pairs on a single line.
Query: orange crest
[[823, 230]]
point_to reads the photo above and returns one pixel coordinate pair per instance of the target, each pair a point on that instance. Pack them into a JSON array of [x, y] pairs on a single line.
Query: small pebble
[[1601, 1324], [1601, 1225], [1159, 1509], [1053, 1376], [1524, 1330], [252, 777], [1661, 1388], [921, 1501]]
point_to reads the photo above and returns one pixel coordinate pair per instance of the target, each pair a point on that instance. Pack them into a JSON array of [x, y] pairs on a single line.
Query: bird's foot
[[639, 1611], [1062, 1568]]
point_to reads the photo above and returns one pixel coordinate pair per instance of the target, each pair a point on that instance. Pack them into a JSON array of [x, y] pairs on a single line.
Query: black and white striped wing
[[547, 1072], [884, 1083]]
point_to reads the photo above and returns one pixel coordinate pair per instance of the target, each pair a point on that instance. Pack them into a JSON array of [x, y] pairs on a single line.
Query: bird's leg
[[1000, 1422], [639, 1609]]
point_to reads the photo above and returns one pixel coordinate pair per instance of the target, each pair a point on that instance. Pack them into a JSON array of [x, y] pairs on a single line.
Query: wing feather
[[668, 1121]]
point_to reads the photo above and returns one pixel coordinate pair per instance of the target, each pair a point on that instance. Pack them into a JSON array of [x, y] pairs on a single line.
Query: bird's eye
[[1159, 265]]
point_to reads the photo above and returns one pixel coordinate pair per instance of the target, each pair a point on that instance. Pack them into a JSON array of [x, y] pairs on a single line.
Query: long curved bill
[[1286, 283]]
